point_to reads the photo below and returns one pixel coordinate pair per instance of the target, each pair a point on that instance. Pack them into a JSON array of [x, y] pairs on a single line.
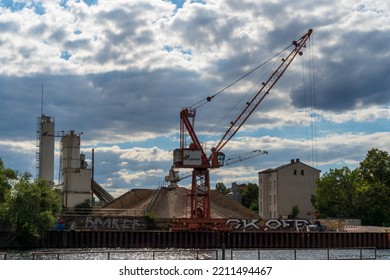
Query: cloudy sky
[[120, 71]]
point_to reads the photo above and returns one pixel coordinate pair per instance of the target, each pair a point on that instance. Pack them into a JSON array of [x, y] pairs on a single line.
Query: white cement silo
[[76, 178], [45, 155]]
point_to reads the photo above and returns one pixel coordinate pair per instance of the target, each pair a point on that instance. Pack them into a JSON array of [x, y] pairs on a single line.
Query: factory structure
[[280, 188], [45, 145], [75, 176], [77, 183]]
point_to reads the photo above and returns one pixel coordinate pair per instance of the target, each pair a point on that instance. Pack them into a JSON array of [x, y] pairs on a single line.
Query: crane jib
[[263, 91]]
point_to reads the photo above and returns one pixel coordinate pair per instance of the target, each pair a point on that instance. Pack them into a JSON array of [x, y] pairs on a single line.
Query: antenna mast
[[42, 100]]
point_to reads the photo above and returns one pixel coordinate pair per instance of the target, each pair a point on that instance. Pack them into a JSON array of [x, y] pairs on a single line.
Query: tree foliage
[[363, 193], [222, 188], [294, 211], [250, 197], [336, 193], [7, 175], [375, 168], [29, 208]]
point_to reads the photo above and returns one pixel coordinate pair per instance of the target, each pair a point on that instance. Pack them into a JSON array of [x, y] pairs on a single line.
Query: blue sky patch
[[13, 6], [169, 48], [16, 6], [64, 4], [91, 2], [180, 3], [65, 55]]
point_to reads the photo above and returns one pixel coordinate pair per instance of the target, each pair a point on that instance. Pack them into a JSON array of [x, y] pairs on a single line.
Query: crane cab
[[187, 158]]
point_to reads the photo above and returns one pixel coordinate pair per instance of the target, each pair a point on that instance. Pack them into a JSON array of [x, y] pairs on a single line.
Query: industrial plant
[[76, 178], [196, 217], [189, 209]]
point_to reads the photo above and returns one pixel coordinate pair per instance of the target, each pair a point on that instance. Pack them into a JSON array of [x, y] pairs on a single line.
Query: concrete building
[[286, 186]]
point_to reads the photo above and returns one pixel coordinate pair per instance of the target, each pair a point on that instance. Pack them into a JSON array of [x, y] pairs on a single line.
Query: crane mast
[[194, 156]]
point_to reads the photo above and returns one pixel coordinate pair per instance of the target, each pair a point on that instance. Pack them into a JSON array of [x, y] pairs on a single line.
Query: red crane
[[194, 156]]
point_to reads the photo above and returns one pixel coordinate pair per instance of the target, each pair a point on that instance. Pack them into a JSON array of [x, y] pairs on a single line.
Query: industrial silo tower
[[45, 144], [76, 177]]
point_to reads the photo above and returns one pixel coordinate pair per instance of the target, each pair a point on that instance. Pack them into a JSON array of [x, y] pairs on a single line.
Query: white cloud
[[369, 114], [120, 71], [25, 147]]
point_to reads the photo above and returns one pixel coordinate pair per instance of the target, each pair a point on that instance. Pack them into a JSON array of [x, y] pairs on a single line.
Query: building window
[[274, 199], [302, 172], [295, 172]]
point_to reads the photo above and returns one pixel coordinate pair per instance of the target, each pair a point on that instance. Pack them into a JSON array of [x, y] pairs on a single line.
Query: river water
[[193, 254]]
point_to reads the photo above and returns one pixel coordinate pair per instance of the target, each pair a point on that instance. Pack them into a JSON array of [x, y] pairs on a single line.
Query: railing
[[199, 254], [205, 254], [307, 254]]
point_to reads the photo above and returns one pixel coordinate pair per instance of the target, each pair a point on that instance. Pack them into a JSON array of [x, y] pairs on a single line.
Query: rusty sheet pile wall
[[166, 239]]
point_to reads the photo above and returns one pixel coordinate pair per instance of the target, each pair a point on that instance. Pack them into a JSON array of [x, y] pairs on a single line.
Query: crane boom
[[262, 92], [245, 156]]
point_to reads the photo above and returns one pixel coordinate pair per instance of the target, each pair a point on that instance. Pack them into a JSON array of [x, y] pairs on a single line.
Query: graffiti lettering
[[252, 223], [272, 224], [243, 223], [286, 224], [110, 223]]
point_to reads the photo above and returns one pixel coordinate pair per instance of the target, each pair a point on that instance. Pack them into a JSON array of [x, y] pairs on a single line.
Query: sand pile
[[169, 203]]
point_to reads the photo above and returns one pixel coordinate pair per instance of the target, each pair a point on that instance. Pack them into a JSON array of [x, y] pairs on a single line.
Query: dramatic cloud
[[121, 71]]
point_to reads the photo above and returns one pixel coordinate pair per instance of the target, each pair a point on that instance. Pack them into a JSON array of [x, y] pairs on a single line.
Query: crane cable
[[237, 103], [310, 105], [209, 98]]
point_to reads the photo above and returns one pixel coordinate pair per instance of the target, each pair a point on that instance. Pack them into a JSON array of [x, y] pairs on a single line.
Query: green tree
[[374, 192], [363, 193], [294, 211], [374, 204], [222, 188], [375, 168], [7, 176], [30, 209], [336, 193], [250, 197]]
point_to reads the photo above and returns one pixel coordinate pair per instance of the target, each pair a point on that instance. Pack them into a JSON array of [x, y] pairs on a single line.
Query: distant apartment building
[[286, 186]]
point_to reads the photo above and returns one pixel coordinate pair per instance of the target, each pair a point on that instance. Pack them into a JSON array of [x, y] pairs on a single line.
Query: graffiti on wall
[[111, 223], [277, 224], [271, 224], [100, 223], [244, 223], [131, 224]]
